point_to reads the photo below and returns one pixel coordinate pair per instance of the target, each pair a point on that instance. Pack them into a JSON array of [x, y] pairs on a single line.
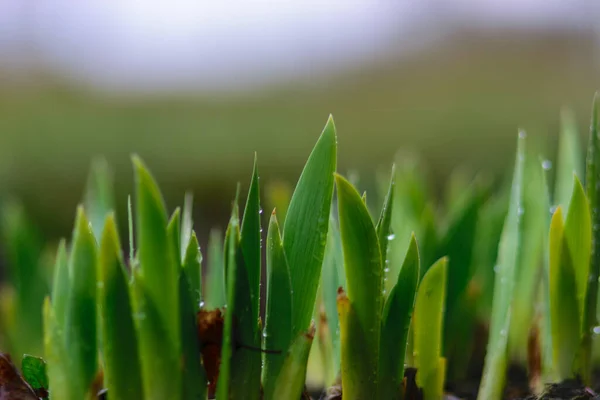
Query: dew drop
[[522, 134], [264, 334], [496, 268], [140, 315], [260, 210], [596, 330], [553, 209], [547, 165], [201, 304], [520, 211], [391, 236], [386, 270], [503, 332]]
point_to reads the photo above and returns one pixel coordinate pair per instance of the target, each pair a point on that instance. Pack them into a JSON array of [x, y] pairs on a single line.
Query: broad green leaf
[[385, 219], [34, 372], [80, 323], [569, 160], [192, 268], [290, 383], [194, 378], [509, 251], [564, 308], [251, 241], [156, 254], [359, 364], [59, 377], [395, 325], [428, 328], [159, 358], [364, 275], [215, 296], [592, 183], [187, 224], [278, 322], [155, 292], [120, 353], [306, 223], [99, 195]]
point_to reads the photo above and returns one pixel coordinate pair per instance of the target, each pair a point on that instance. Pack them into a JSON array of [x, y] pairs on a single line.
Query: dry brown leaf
[[12, 384]]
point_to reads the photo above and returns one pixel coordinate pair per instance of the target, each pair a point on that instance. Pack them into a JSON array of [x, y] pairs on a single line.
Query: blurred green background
[[456, 103]]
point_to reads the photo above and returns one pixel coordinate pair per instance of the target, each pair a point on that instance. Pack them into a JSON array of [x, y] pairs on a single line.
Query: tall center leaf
[[306, 223]]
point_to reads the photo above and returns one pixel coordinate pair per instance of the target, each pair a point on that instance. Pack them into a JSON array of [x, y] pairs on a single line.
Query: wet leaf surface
[[34, 372]]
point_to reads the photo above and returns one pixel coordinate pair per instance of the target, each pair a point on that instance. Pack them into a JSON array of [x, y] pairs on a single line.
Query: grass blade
[[59, 377], [364, 279], [193, 377], [159, 359], [120, 353], [231, 249], [192, 268], [592, 184], [578, 237], [174, 233], [457, 244], [23, 247], [246, 360], [214, 290], [61, 283], [306, 223], [278, 322], [408, 216], [358, 380], [290, 383], [428, 328], [251, 241], [509, 250], [564, 310], [527, 284], [130, 230], [99, 195], [385, 218], [569, 160], [333, 276], [80, 322], [187, 224], [578, 232], [396, 323]]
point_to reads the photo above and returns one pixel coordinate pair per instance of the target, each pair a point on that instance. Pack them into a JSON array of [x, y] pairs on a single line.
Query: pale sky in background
[[236, 44]]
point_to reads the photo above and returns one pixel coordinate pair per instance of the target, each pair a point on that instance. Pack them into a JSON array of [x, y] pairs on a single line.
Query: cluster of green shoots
[[408, 287]]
